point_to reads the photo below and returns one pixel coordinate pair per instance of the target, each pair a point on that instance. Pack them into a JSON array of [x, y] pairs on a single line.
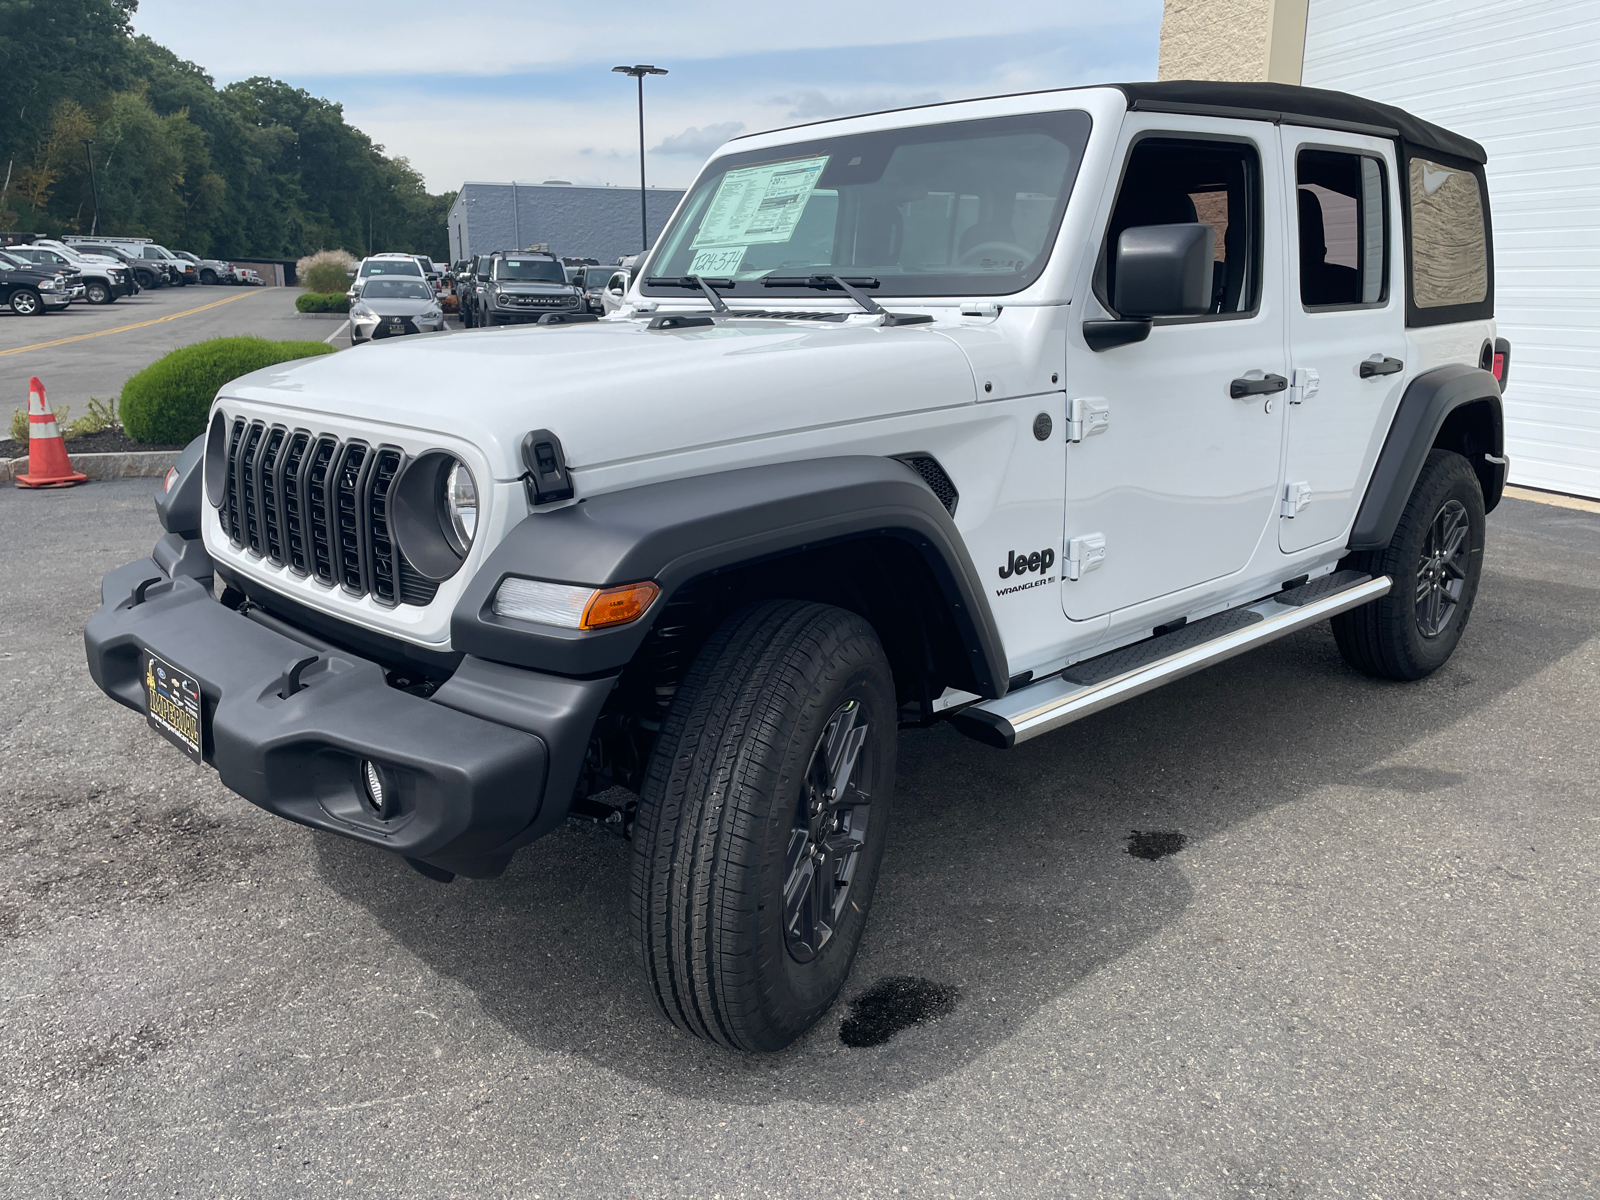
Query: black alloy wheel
[[25, 302], [830, 829], [1442, 569], [1435, 559], [208, 277], [762, 823]]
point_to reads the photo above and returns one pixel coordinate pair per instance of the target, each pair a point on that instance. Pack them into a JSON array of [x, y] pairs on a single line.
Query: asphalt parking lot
[[89, 351], [1370, 971]]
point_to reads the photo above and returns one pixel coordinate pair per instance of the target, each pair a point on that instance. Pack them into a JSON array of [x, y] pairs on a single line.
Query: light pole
[[639, 71], [89, 154]]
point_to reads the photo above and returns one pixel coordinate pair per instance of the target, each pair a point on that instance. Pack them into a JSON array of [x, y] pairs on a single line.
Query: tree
[[256, 168]]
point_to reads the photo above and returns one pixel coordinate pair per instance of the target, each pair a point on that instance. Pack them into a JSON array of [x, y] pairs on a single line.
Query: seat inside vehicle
[[1175, 182]]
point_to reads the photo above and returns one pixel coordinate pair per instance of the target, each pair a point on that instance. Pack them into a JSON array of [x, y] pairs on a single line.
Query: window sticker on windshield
[[717, 260], [758, 205]]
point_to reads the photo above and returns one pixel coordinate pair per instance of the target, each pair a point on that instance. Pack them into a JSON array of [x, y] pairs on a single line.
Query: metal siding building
[[1523, 78], [583, 222]]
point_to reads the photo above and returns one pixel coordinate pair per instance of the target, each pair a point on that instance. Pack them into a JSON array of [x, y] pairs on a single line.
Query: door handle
[[1381, 366], [1265, 386]]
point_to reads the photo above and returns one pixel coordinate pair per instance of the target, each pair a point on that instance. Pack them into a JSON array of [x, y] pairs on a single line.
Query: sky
[[518, 89]]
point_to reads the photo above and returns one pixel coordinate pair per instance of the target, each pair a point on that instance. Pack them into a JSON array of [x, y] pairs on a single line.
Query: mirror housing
[[1165, 270]]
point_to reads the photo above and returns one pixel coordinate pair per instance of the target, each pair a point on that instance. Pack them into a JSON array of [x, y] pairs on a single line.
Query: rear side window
[[1449, 239], [1343, 229]]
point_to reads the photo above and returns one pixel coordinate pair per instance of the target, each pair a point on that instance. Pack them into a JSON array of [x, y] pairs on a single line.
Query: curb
[[136, 464]]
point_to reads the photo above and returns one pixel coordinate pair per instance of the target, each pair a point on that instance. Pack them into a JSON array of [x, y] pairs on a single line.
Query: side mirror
[[1164, 270]]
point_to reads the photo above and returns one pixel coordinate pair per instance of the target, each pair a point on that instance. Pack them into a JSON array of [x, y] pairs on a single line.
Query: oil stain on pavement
[[892, 1004], [1155, 843]]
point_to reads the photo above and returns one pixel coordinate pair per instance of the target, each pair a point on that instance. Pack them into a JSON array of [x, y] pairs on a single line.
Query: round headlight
[[461, 505]]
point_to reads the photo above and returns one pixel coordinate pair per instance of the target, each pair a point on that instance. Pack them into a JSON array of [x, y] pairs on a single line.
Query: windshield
[[542, 270], [598, 277], [969, 208], [395, 289], [391, 266]]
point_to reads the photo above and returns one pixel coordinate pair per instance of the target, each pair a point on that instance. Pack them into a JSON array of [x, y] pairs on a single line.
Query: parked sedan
[[393, 307]]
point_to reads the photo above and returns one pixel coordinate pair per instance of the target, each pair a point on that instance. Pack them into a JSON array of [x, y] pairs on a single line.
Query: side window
[[1449, 255], [1175, 181], [1344, 228]]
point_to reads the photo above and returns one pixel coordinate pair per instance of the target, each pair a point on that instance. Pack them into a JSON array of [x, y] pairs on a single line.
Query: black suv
[[471, 278], [519, 288]]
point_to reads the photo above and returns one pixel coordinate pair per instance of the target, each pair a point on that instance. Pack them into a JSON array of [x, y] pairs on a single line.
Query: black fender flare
[[1428, 401], [681, 529]]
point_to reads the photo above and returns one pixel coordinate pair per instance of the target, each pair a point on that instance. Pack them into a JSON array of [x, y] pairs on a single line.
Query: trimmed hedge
[[167, 402], [322, 302]]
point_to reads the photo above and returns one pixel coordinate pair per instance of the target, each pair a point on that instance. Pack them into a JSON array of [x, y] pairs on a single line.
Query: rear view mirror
[[1164, 270]]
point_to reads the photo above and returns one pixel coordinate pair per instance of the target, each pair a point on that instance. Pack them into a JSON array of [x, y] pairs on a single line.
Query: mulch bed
[[107, 441]]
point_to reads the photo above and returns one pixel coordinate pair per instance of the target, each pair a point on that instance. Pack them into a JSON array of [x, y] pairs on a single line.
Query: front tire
[[762, 822], [208, 278], [25, 302], [97, 293], [1435, 559]]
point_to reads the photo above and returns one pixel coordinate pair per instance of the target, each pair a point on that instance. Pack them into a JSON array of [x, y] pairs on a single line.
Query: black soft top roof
[[1298, 105]]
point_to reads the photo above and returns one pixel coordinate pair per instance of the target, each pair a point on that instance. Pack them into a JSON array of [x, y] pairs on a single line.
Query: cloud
[[699, 142], [813, 105]]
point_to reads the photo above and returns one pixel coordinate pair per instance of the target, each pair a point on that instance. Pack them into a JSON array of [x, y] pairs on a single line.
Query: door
[[1182, 482], [1346, 327]]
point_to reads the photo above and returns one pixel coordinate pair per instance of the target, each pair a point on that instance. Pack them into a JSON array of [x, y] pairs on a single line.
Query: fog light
[[374, 781]]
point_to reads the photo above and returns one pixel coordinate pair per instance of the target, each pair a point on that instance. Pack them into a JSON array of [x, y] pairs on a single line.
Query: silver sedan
[[385, 307]]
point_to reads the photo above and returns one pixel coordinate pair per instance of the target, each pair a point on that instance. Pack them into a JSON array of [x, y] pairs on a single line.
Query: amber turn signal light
[[618, 605]]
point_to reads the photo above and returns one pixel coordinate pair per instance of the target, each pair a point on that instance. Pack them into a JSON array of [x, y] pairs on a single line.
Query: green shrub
[[322, 302], [102, 415], [167, 402]]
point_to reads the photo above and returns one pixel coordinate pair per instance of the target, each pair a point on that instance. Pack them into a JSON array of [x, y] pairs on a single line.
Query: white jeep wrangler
[[998, 412]]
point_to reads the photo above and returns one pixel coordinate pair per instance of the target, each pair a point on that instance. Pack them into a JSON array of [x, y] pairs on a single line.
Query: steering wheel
[[981, 247]]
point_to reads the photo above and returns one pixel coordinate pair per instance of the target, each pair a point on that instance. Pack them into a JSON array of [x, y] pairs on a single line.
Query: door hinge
[[1087, 416], [1295, 497], [1085, 553], [1307, 382]]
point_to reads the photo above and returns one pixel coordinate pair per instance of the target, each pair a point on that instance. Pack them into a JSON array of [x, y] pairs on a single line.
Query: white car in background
[[208, 270], [404, 265]]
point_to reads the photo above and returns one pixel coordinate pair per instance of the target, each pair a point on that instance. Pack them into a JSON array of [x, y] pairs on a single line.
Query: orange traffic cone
[[48, 464]]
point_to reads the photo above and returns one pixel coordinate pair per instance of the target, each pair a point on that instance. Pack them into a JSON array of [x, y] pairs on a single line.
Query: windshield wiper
[[708, 286], [851, 288]]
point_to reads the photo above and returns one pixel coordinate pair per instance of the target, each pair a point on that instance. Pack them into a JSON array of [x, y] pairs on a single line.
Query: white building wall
[[1523, 78]]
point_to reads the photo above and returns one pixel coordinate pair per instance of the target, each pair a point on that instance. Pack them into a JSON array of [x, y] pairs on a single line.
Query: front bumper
[[467, 768], [56, 299]]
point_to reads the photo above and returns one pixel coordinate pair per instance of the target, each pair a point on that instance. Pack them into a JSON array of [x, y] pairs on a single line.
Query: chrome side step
[[1057, 701]]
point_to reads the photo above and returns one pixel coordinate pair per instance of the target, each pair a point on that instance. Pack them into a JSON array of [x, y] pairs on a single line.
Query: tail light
[[1501, 368]]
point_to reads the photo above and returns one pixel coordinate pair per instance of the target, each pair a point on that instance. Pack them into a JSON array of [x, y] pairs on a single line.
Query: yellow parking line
[[124, 328]]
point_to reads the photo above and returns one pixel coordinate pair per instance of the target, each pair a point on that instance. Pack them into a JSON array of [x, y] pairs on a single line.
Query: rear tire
[[762, 823], [1435, 559], [208, 277]]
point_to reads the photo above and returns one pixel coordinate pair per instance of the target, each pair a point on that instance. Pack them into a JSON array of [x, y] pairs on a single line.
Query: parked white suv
[[1001, 412]]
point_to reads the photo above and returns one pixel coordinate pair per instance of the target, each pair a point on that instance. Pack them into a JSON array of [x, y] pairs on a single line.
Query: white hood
[[614, 391]]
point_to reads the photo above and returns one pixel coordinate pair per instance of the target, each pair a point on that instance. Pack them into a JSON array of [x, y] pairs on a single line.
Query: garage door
[[1523, 78]]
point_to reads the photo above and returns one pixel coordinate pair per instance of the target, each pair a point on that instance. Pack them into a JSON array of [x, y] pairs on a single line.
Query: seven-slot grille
[[320, 507]]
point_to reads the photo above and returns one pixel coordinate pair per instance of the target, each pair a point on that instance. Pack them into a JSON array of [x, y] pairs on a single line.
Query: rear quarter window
[[1450, 261]]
